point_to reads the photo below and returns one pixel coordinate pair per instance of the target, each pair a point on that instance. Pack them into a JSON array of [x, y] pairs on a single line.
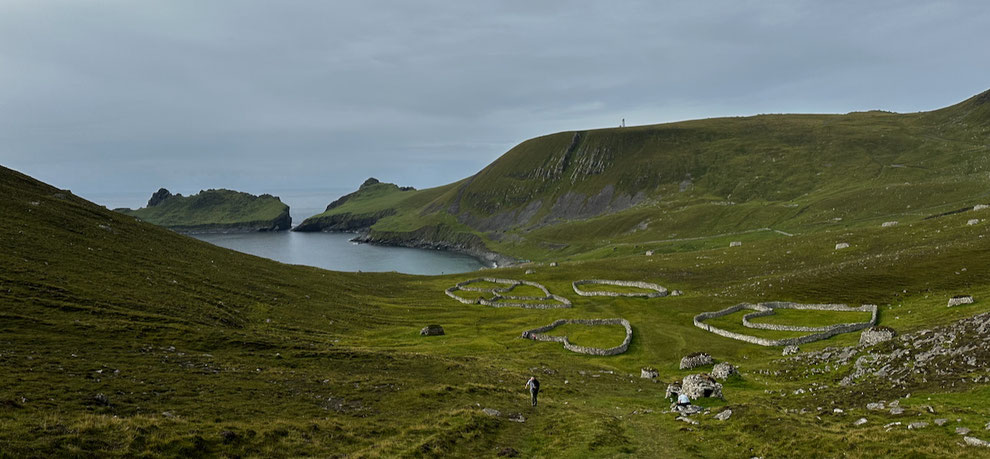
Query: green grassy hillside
[[215, 210], [119, 338], [564, 195]]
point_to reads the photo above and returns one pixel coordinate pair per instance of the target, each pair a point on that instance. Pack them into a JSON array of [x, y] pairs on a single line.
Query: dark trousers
[[533, 393]]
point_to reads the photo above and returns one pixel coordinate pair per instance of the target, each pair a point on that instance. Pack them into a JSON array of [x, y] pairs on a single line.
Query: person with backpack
[[534, 387]]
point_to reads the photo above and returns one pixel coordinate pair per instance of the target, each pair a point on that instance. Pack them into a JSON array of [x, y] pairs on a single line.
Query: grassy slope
[[189, 341], [213, 207], [794, 173]]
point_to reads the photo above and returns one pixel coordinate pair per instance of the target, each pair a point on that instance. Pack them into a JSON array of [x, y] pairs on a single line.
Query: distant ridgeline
[[610, 192], [214, 211]]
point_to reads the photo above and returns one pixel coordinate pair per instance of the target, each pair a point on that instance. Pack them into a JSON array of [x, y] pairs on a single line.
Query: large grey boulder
[[698, 359], [431, 330]]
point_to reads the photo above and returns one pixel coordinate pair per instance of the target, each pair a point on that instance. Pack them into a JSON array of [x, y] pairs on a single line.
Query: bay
[[336, 252]]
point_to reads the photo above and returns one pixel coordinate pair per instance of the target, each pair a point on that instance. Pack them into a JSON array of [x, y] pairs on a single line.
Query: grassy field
[[119, 338]]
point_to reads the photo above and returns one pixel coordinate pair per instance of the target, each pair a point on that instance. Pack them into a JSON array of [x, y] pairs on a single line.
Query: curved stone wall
[[538, 335], [500, 297], [658, 291], [765, 309]]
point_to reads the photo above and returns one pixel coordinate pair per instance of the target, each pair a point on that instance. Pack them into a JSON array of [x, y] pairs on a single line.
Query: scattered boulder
[[974, 221], [735, 244], [516, 417], [962, 431], [724, 415], [888, 224], [981, 207], [101, 399], [159, 196], [530, 271], [973, 441], [649, 253], [860, 422], [649, 373], [492, 412], [960, 300], [941, 421], [724, 370], [676, 293], [896, 410], [697, 359], [431, 330], [874, 335], [791, 350], [917, 425], [879, 406], [228, 437], [701, 385], [553, 264], [508, 451], [842, 245], [686, 419]]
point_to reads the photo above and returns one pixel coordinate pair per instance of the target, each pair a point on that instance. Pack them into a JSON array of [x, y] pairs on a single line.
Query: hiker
[[683, 401], [534, 387]]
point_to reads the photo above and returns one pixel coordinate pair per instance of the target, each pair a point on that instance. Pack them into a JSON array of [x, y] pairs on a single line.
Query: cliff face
[[214, 211], [348, 214]]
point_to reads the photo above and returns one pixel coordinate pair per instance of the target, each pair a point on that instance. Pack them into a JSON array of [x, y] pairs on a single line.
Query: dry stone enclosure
[[501, 298], [656, 290], [538, 334], [767, 309]]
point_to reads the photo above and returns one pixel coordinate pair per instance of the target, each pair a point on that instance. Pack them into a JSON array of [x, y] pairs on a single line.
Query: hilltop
[[214, 211], [605, 192]]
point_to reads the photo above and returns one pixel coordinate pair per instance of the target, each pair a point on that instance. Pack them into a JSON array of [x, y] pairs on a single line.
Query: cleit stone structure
[[501, 297], [695, 386], [431, 330], [538, 334], [960, 300], [724, 370], [695, 360], [656, 291], [767, 309]]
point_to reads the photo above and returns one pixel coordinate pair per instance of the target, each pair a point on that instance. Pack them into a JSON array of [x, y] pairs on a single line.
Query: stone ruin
[[649, 373], [500, 297], [735, 244], [538, 335], [697, 359], [888, 224], [790, 350], [657, 291], [695, 386], [874, 335], [767, 309], [724, 370], [959, 300], [431, 330]]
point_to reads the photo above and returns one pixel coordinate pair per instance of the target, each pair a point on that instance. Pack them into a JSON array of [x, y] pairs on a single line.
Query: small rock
[[874, 335], [841, 245], [981, 207], [101, 399], [962, 430], [960, 300], [973, 441], [508, 452], [837, 411], [516, 417], [875, 406], [888, 224], [897, 410], [790, 350], [228, 437], [917, 425], [860, 422], [492, 412], [973, 221], [724, 415], [686, 419], [529, 271], [889, 426], [941, 421], [735, 244], [649, 373], [649, 253], [431, 330]]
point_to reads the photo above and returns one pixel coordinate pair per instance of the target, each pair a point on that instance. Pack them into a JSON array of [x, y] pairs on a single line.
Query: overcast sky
[[113, 97]]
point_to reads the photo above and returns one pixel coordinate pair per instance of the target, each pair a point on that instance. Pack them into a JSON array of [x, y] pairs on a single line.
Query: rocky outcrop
[[431, 330], [159, 196], [538, 335], [345, 222], [438, 237]]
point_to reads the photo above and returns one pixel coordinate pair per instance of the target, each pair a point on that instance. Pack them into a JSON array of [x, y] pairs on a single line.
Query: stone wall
[[825, 332], [658, 291], [538, 335], [499, 294]]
